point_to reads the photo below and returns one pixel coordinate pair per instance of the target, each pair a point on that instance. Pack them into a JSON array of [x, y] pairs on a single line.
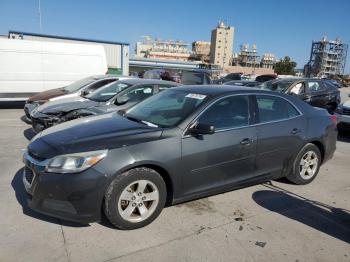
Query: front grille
[[346, 111], [29, 175]]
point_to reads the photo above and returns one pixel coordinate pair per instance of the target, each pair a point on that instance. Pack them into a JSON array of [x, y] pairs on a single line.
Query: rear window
[[273, 108]]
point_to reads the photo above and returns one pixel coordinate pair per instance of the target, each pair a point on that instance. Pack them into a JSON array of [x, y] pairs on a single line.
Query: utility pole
[[40, 23]]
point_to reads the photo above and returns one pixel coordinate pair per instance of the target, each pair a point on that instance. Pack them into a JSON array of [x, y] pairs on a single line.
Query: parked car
[[264, 78], [343, 116], [81, 87], [114, 96], [228, 78], [28, 66], [247, 83], [316, 92], [195, 77], [182, 144]]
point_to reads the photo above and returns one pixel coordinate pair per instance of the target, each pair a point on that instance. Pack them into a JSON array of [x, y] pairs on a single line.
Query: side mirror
[[87, 92], [201, 129], [122, 100], [348, 95]]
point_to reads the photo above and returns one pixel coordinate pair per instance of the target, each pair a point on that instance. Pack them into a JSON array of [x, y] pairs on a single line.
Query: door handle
[[246, 141], [295, 131]]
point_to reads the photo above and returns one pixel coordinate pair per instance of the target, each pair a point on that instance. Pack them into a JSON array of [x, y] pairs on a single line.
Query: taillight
[[333, 118]]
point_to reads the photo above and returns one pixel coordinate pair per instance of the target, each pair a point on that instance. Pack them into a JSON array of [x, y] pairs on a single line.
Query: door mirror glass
[[201, 129]]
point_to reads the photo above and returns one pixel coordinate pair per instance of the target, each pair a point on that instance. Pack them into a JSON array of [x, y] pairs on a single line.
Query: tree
[[285, 66]]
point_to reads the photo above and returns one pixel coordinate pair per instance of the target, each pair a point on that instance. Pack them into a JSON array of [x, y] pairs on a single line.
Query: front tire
[[135, 198], [306, 165]]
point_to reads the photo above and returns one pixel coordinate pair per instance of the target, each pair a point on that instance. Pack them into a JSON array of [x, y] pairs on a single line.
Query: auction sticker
[[196, 96]]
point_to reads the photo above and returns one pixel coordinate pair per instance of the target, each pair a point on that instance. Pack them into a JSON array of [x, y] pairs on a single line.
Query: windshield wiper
[[140, 121]]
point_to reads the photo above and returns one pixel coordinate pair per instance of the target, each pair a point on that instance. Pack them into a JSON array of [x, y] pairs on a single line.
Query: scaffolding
[[327, 58], [247, 57]]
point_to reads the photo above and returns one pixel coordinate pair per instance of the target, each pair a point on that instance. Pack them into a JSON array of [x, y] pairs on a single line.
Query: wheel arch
[[162, 171], [320, 147]]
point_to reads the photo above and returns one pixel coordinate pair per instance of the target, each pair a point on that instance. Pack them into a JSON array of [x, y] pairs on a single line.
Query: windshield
[[107, 92], [75, 86], [166, 109], [279, 86]]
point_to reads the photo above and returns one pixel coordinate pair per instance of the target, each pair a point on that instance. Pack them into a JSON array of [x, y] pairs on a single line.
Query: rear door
[[225, 157], [316, 93], [280, 128]]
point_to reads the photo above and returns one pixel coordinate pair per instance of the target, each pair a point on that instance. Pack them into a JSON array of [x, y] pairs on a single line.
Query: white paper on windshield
[[196, 96]]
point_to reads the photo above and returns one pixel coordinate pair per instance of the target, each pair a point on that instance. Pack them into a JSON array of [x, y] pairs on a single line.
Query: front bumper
[[74, 197], [42, 121]]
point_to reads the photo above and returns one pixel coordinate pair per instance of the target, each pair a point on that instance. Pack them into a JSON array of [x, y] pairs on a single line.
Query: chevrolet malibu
[[181, 144]]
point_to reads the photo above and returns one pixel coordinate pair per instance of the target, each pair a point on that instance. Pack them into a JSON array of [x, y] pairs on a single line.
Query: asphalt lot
[[268, 222]]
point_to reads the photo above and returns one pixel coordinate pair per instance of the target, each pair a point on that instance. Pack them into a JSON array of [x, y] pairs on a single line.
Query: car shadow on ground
[[21, 196], [29, 133], [344, 137], [325, 218]]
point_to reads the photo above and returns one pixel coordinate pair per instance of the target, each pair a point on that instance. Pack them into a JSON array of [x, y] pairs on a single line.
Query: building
[[162, 49], [268, 60], [247, 57], [221, 45], [327, 58], [117, 53], [201, 51]]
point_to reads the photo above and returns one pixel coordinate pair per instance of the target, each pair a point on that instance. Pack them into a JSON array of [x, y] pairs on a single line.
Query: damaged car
[[117, 95], [83, 86]]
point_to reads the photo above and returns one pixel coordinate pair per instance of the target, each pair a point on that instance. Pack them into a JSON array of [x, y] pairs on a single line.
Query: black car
[[248, 83], [114, 96], [181, 144], [316, 92]]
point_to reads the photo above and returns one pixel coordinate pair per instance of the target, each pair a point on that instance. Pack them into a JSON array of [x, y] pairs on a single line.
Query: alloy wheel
[[308, 165], [138, 201]]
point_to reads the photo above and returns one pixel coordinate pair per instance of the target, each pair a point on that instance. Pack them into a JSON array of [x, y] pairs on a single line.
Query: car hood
[[47, 94], [66, 105], [92, 133]]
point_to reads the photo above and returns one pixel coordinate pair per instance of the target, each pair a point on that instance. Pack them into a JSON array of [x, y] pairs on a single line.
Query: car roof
[[218, 90], [242, 81], [135, 81]]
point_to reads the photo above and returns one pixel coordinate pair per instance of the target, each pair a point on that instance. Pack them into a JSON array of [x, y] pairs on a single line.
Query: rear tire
[[306, 165], [135, 198]]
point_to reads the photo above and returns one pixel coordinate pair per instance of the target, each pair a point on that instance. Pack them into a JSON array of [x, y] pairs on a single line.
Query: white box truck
[[28, 67]]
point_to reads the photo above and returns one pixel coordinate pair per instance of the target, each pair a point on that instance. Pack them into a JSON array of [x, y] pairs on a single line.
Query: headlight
[[74, 163]]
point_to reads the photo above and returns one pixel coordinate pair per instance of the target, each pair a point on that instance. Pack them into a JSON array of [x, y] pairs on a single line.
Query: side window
[[99, 84], [227, 113], [138, 93], [272, 108], [313, 86], [163, 87], [297, 89]]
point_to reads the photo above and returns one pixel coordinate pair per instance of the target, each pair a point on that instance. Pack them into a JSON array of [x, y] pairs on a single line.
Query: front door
[[225, 157]]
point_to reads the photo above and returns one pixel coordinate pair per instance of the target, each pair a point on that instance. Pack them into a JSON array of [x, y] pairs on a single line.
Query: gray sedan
[[181, 144]]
